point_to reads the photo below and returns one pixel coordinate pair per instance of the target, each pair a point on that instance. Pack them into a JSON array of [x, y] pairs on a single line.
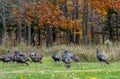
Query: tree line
[[47, 22]]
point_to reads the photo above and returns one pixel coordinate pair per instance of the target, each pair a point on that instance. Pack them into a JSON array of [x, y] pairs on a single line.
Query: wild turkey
[[20, 58], [68, 54], [56, 57], [67, 60], [73, 57], [5, 59], [76, 58], [101, 57], [35, 58], [33, 53], [23, 55], [10, 55]]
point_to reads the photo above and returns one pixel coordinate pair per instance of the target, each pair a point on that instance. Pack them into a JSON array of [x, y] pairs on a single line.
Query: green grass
[[51, 70]]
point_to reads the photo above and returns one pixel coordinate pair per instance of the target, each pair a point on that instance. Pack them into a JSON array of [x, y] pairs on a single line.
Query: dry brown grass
[[85, 52]]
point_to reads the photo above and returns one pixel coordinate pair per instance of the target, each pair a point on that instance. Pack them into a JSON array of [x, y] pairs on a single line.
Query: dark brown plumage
[[5, 59], [101, 57], [20, 58], [56, 57], [36, 58]]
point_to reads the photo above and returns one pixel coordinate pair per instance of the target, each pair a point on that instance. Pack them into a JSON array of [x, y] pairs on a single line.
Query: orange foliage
[[102, 5], [46, 13], [60, 1]]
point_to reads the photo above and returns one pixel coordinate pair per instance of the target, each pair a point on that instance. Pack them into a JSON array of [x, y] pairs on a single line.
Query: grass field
[[51, 70]]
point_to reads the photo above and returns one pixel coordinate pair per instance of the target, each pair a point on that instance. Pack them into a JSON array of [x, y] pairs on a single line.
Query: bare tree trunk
[[118, 26], [77, 37], [73, 10], [85, 12], [29, 35], [19, 32], [73, 17], [19, 25], [25, 32], [48, 35], [91, 20], [111, 25], [54, 35], [4, 26], [68, 36]]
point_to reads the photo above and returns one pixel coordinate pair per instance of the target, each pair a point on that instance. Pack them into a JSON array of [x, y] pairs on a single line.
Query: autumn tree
[[47, 16], [109, 9]]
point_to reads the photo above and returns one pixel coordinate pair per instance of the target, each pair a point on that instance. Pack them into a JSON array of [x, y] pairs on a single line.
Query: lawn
[[51, 70]]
